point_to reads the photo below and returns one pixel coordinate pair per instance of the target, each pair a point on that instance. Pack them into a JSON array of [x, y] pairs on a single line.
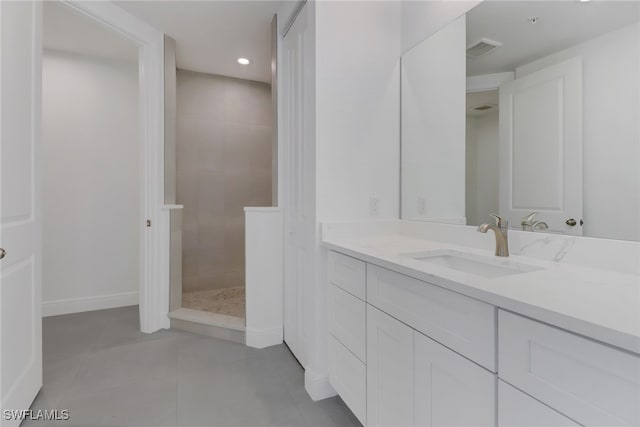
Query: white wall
[[91, 183], [433, 127], [264, 280], [611, 134], [358, 101], [421, 18], [357, 134]]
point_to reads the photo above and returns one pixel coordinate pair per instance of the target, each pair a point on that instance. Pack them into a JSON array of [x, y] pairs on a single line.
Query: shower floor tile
[[228, 301]]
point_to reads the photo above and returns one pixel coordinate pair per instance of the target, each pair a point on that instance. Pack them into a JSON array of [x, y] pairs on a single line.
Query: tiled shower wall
[[223, 157]]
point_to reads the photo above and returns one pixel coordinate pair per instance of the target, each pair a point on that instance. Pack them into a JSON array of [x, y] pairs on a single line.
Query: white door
[[299, 181], [516, 409], [390, 371], [20, 228], [449, 389], [541, 147]]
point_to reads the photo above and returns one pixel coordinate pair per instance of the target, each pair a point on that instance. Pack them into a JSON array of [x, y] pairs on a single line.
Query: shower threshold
[[214, 325], [217, 313]]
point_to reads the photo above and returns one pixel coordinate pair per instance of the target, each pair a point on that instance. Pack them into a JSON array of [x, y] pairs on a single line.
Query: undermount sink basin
[[473, 264]]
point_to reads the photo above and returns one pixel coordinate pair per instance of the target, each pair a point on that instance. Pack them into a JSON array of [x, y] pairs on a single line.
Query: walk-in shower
[[224, 144]]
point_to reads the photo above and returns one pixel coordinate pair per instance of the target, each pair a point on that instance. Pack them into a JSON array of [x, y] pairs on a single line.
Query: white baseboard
[[77, 305], [261, 338], [317, 385]]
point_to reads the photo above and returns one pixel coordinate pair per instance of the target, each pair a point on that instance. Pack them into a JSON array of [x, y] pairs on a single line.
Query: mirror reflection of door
[[570, 71], [540, 149]]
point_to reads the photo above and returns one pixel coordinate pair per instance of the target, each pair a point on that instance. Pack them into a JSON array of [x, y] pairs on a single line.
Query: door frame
[[154, 239]]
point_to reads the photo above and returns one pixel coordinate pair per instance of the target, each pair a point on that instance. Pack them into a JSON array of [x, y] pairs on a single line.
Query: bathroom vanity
[[430, 333]]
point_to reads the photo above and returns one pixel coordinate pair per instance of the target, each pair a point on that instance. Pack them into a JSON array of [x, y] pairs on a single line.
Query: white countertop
[[599, 304]]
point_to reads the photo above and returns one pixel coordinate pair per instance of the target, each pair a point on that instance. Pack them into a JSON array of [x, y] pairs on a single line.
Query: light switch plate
[[422, 205], [374, 206]]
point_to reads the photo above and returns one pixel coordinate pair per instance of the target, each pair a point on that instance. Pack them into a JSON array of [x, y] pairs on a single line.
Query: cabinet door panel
[[347, 375], [449, 389], [516, 409], [348, 273], [592, 383], [347, 320], [389, 371]]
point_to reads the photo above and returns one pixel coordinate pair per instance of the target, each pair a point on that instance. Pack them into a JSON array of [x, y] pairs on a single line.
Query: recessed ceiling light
[[534, 20], [584, 1], [244, 61]]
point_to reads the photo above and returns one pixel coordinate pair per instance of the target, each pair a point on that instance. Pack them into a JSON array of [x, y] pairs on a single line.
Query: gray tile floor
[[100, 367]]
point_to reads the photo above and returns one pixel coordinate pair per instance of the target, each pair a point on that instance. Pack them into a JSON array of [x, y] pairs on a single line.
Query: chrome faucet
[[501, 230], [528, 224]]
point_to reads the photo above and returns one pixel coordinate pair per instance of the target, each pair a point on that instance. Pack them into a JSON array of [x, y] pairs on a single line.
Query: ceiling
[[560, 24], [68, 30], [211, 35]]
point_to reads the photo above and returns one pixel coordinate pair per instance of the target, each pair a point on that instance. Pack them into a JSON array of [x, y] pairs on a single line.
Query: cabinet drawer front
[[516, 409], [347, 375], [449, 389], [456, 321], [390, 372], [591, 383], [348, 273], [347, 316]]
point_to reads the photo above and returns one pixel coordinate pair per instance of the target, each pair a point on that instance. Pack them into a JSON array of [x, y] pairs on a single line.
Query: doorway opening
[[91, 164], [482, 149]]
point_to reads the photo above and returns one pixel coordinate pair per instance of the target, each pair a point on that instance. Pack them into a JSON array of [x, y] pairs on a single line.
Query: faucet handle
[[528, 220], [500, 222]]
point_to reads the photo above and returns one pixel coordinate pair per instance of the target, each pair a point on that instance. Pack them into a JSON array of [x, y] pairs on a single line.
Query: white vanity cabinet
[[404, 352], [386, 368]]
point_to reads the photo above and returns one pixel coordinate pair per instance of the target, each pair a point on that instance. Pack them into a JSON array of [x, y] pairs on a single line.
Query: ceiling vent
[[482, 47], [483, 107], [479, 110]]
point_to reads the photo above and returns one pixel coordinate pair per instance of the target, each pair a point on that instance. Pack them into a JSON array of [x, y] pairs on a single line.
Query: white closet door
[[20, 225], [541, 147], [299, 180]]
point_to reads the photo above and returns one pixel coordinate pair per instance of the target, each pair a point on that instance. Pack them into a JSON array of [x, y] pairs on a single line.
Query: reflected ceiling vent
[[482, 47], [477, 110]]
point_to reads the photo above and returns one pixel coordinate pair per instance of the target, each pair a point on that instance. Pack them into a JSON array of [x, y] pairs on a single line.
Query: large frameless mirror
[[530, 110]]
